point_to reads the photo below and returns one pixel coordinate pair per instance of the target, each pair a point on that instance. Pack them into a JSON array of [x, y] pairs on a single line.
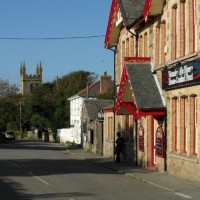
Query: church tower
[[28, 82]]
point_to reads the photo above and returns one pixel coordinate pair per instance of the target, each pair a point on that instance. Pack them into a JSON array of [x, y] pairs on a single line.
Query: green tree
[[9, 106], [47, 105]]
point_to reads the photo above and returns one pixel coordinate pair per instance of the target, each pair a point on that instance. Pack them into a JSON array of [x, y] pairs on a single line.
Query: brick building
[[157, 73]]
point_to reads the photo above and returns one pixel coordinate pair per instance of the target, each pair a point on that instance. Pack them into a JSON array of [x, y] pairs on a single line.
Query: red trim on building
[[110, 22], [120, 92], [146, 9], [107, 110], [137, 59], [131, 107]]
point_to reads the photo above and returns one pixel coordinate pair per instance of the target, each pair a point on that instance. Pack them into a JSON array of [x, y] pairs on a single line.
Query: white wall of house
[[76, 104], [65, 135]]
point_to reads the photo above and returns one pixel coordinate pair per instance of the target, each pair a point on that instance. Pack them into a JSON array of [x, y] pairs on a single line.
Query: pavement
[[184, 188]]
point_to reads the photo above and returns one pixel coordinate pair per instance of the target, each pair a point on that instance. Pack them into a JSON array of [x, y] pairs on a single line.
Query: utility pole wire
[[52, 38]]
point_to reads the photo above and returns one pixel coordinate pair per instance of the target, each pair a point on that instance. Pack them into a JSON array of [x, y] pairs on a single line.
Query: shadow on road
[[45, 159], [11, 190], [32, 144]]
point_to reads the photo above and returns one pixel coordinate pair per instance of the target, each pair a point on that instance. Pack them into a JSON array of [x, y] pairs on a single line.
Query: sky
[[28, 21]]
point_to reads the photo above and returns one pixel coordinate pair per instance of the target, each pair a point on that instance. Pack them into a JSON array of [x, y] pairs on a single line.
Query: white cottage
[[77, 100]]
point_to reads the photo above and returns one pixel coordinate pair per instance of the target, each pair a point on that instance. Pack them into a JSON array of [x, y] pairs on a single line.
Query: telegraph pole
[[20, 118]]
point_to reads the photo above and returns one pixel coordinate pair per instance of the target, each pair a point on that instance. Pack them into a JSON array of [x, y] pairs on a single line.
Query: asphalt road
[[31, 170]]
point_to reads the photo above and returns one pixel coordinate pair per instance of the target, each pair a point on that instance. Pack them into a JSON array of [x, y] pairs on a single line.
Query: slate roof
[[93, 107], [144, 86], [94, 89], [131, 10]]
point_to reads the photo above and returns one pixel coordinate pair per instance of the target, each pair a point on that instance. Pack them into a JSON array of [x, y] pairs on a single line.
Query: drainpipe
[[165, 143], [136, 143], [114, 117]]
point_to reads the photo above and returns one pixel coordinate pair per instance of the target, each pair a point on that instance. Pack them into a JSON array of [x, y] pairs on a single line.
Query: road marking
[[38, 178], [183, 195], [14, 164]]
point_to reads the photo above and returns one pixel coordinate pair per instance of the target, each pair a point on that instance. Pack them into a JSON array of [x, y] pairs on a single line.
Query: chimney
[[105, 82]]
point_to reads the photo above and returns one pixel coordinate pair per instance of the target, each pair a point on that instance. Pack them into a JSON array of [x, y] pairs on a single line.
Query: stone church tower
[[28, 82]]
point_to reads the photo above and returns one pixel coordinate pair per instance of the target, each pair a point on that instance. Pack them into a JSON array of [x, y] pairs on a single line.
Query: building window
[[182, 28], [174, 123], [194, 124], [110, 127], [157, 57], [127, 47], [132, 46], [174, 32], [192, 17], [145, 45], [84, 126], [123, 51], [163, 42], [141, 46], [183, 124]]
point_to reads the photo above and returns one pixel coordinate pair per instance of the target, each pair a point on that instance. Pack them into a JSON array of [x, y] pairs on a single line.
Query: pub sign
[[182, 75]]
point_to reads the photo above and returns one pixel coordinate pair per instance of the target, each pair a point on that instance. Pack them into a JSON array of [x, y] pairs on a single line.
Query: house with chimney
[[93, 124], [77, 101]]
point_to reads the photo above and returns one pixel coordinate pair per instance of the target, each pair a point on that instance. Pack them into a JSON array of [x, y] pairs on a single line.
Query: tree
[[47, 105], [9, 106]]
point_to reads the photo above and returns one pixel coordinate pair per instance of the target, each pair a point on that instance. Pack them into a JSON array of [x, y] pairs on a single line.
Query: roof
[[139, 92], [93, 107], [131, 11], [144, 86], [92, 91]]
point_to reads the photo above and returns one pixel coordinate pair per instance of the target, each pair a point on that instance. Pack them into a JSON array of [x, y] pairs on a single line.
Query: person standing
[[120, 142]]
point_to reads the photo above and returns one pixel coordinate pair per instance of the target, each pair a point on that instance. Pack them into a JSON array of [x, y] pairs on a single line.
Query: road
[[32, 170]]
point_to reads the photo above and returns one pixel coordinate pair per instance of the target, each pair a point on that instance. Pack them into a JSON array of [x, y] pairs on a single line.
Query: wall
[[65, 135]]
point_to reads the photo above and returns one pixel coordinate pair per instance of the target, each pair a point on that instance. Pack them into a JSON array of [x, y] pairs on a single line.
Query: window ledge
[[184, 157]]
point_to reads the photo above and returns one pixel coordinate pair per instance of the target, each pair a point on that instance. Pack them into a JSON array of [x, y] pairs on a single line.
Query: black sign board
[[159, 142], [182, 75], [141, 138]]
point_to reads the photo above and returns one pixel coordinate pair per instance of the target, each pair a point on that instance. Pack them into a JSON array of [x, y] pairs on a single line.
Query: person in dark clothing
[[120, 142]]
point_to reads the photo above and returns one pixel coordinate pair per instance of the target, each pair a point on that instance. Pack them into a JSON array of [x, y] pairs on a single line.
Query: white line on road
[[14, 164], [38, 178], [176, 193], [183, 195]]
